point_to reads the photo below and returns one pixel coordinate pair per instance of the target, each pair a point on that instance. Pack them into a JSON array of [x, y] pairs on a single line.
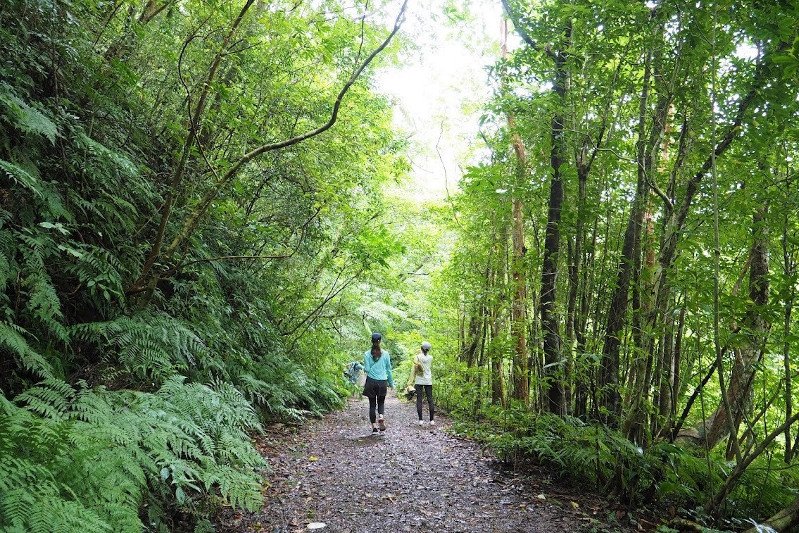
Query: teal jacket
[[380, 369]]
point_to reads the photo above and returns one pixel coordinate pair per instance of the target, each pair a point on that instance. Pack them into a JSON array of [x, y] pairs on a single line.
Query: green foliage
[[284, 390], [762, 490], [176, 376], [682, 475], [91, 459], [602, 458], [149, 346], [12, 340]]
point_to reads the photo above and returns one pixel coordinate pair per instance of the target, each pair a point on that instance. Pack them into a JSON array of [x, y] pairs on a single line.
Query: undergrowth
[[97, 460], [663, 475]]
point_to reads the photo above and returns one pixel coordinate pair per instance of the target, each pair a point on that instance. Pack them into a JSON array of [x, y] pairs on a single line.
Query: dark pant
[[428, 391], [380, 403], [376, 392]]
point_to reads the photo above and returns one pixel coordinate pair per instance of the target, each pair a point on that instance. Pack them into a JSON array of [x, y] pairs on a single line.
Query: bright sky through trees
[[439, 88]]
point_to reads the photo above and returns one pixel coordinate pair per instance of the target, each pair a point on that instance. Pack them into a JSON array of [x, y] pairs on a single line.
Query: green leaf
[[22, 177], [26, 118]]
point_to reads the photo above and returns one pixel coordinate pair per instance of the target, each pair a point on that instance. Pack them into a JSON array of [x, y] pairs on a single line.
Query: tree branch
[[740, 467], [191, 224]]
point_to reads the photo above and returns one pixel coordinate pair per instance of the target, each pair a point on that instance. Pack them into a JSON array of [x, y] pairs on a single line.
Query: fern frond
[[11, 338], [50, 398], [97, 270], [43, 301], [22, 177], [7, 251], [24, 117], [148, 345]]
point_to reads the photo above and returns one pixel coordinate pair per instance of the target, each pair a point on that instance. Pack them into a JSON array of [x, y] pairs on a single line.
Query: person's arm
[[388, 371]]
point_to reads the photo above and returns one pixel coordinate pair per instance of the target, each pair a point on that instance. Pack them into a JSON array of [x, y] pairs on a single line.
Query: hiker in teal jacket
[[377, 365]]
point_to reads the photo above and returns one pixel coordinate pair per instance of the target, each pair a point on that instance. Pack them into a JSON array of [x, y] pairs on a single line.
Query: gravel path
[[332, 471]]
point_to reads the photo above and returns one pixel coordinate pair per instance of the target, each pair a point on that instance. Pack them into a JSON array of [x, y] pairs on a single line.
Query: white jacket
[[426, 376]]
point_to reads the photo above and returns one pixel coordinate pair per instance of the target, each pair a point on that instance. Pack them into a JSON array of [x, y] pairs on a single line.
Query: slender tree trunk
[[521, 387], [610, 367], [789, 270], [661, 397], [670, 380], [499, 274], [586, 376], [549, 316], [756, 327], [521, 374], [497, 372], [573, 321], [472, 338]]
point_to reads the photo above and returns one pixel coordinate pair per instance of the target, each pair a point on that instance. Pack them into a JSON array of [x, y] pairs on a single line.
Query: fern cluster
[[594, 454], [766, 487], [94, 460], [148, 345]]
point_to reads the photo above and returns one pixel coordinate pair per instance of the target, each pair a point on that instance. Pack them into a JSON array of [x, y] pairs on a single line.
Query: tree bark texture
[[521, 387], [555, 402]]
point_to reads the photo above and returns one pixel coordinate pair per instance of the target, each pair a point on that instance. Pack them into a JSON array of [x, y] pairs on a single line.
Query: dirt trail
[[413, 478]]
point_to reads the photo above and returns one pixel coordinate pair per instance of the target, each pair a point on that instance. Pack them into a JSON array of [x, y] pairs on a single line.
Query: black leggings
[[376, 391], [428, 391], [380, 403]]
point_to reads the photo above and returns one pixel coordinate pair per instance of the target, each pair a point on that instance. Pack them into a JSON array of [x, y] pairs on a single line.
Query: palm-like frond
[[88, 460]]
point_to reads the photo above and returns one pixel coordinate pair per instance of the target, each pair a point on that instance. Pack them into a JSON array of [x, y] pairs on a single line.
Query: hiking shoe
[[381, 424], [374, 431], [421, 422], [432, 422]]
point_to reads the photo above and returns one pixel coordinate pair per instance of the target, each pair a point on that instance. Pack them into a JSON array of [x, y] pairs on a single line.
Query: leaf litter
[[331, 474]]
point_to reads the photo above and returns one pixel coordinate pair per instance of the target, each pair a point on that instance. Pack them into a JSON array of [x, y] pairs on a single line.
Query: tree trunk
[[521, 387], [610, 366], [498, 275], [550, 329], [571, 320], [520, 371], [784, 520], [497, 375], [756, 328], [586, 375], [576, 258], [472, 340], [789, 270]]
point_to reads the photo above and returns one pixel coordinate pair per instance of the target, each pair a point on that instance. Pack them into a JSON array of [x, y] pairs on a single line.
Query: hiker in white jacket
[[423, 383]]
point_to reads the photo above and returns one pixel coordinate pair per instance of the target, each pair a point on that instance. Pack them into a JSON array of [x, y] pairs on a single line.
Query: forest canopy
[[202, 218]]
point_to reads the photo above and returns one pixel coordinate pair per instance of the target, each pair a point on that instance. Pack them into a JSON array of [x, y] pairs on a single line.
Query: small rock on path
[[412, 478]]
